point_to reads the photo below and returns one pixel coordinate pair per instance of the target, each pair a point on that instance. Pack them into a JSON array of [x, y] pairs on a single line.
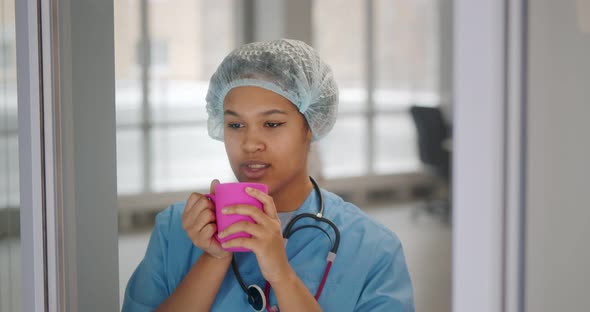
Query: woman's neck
[[292, 195]]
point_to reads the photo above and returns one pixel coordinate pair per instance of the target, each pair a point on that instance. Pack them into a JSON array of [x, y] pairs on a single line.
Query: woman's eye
[[234, 125], [274, 124]]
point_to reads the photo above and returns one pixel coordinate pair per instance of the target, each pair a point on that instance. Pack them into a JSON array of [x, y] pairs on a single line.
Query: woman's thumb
[[214, 184]]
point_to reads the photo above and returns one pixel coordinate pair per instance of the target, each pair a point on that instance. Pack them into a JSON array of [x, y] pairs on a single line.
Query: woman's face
[[266, 138]]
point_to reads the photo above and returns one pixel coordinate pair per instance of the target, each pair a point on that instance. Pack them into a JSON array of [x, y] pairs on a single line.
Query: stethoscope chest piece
[[256, 298]]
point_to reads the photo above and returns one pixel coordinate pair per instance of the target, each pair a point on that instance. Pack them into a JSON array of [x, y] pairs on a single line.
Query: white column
[[68, 171], [88, 149], [478, 151]]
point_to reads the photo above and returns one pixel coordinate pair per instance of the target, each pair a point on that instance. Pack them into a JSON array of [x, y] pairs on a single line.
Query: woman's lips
[[254, 169]]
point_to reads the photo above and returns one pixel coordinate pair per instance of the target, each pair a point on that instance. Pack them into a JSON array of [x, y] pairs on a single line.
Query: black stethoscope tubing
[[256, 297]]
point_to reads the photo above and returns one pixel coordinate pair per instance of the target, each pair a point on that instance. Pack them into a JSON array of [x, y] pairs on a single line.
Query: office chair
[[432, 131]]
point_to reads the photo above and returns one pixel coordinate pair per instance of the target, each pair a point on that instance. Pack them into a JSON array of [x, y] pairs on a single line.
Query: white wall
[[558, 172]]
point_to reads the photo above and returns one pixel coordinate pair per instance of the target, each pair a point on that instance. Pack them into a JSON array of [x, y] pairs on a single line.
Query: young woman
[[267, 102]]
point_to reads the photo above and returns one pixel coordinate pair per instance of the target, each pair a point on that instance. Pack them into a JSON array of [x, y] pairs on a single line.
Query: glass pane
[[406, 53], [395, 144], [9, 182], [10, 282], [129, 161], [12, 180], [183, 53], [186, 158], [127, 69], [188, 40], [346, 53], [343, 151]]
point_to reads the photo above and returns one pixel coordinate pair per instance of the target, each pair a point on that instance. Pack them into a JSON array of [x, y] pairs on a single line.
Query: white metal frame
[[31, 157], [489, 155], [515, 157], [46, 56], [478, 155]]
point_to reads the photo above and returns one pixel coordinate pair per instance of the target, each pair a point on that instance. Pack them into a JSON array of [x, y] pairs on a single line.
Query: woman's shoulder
[[169, 217], [350, 217], [168, 223], [365, 243]]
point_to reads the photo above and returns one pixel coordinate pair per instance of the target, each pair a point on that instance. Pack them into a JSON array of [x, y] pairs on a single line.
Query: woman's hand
[[198, 220], [266, 241]]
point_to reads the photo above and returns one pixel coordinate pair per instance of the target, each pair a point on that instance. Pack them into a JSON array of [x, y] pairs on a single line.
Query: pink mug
[[229, 194]]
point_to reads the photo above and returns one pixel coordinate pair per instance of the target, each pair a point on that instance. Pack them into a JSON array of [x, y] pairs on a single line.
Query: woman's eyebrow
[[230, 112], [265, 113], [273, 111]]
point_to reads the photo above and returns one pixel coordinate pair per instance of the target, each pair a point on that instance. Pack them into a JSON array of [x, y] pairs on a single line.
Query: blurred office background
[[506, 79]]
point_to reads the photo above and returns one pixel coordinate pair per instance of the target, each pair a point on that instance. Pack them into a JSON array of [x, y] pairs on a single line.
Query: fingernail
[[248, 189], [221, 234], [224, 210]]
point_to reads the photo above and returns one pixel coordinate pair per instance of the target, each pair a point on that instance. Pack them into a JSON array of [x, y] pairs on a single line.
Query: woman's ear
[[307, 128], [309, 135]]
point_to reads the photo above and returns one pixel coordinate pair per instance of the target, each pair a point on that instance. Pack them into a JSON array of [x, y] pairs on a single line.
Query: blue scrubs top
[[369, 273]]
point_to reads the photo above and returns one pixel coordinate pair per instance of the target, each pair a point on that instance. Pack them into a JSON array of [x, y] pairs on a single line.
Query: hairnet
[[289, 68]]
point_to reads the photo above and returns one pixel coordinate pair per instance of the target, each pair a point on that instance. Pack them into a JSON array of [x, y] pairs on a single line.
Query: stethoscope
[[257, 298]]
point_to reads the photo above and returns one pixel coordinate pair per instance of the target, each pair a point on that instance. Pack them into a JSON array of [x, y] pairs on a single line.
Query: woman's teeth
[[257, 166]]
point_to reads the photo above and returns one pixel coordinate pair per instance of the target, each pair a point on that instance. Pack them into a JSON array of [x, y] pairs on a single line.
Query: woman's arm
[[293, 295], [198, 289], [388, 286], [200, 285]]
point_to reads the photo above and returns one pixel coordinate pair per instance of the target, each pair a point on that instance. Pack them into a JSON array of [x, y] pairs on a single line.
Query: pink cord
[[267, 295], [328, 267]]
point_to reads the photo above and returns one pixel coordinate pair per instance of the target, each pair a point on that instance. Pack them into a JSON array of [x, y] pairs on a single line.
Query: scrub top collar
[[311, 204]]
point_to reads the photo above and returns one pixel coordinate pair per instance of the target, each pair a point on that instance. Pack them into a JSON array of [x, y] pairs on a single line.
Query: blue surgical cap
[[289, 68]]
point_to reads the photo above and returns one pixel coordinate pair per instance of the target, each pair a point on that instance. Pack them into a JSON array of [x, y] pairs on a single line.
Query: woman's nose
[[253, 142]]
